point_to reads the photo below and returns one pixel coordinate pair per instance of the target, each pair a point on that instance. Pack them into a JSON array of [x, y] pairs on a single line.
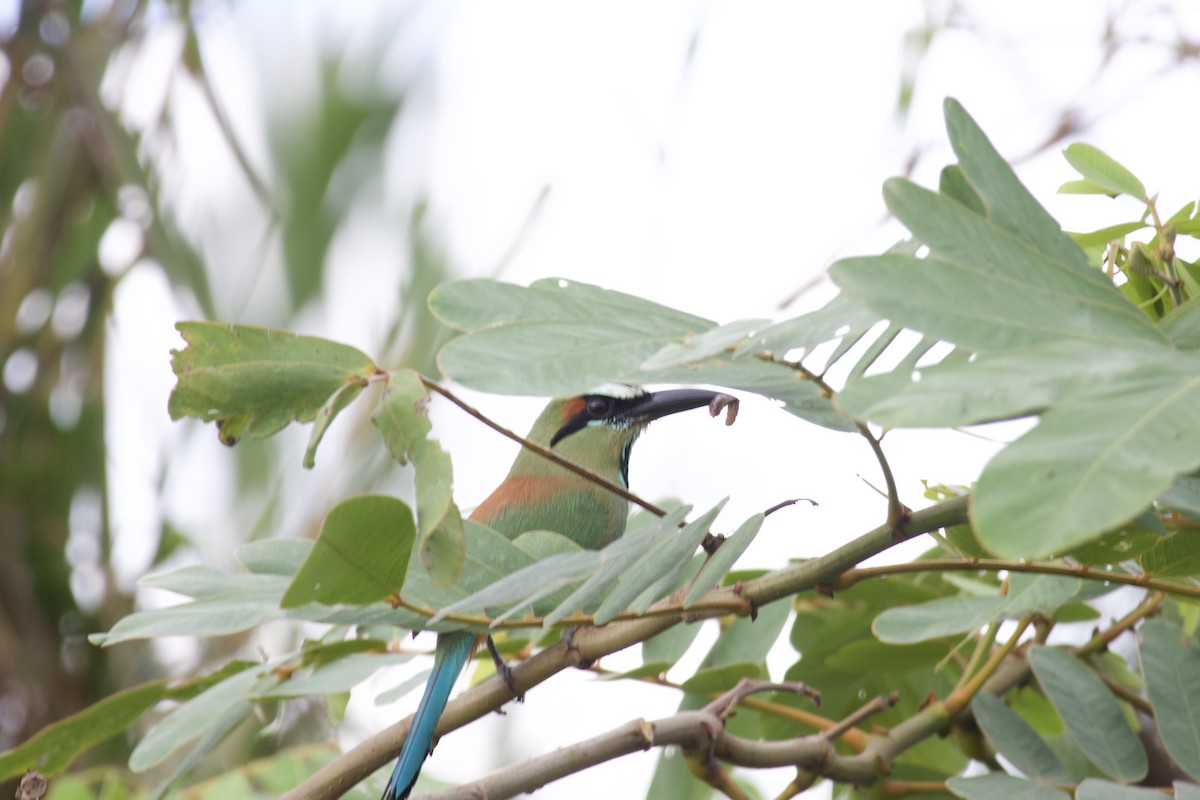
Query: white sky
[[719, 186]]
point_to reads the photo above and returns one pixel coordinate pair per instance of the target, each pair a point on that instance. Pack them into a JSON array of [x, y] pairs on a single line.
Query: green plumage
[[596, 431], [538, 494]]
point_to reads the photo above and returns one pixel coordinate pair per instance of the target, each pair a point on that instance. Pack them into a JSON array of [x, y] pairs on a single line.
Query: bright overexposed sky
[[713, 156]]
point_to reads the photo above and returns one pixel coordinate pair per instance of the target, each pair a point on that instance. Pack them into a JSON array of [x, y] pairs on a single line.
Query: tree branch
[[695, 732], [851, 737], [337, 777]]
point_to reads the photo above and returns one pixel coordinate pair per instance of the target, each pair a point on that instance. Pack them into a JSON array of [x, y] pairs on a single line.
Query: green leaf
[[1099, 168], [614, 562], [668, 582], [274, 556], [1090, 712], [822, 627], [1076, 612], [554, 338], [403, 688], [204, 582], [994, 386], [1183, 496], [341, 398], [1186, 791], [748, 640], [719, 679], [953, 183], [402, 418], [255, 380], [340, 675], [1176, 555], [222, 723], [670, 645], [560, 338], [490, 558], [192, 719], [1096, 460], [1182, 325], [669, 553], [936, 619], [841, 317], [521, 589], [1042, 594], [701, 346], [723, 559], [540, 545], [1113, 233], [235, 609], [674, 781], [984, 288], [963, 540], [1083, 187], [1004, 279], [1171, 667], [867, 656], [1115, 546], [471, 305], [402, 421], [52, 749], [1096, 789], [996, 786], [777, 381], [1016, 740], [361, 555], [1010, 205]]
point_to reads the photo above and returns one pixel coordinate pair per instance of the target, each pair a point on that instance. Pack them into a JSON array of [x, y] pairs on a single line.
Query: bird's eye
[[599, 407]]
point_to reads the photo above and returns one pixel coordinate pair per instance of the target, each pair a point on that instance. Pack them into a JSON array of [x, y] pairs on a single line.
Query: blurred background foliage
[[90, 193], [84, 192]]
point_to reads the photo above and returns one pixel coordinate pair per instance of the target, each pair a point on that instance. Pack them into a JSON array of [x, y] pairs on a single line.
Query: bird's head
[[598, 429]]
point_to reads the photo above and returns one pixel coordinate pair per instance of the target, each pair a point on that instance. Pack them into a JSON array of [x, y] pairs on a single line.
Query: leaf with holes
[[254, 381], [404, 425]]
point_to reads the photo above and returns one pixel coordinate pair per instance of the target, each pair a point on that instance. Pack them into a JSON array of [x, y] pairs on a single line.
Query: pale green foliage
[[1102, 486]]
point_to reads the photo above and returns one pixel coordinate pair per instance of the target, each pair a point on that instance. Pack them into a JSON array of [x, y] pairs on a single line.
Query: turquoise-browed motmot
[[596, 430]]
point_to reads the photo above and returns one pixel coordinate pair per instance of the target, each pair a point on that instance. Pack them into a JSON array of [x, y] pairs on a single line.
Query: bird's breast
[[572, 506]]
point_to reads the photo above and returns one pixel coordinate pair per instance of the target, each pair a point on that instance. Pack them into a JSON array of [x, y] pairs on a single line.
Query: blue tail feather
[[450, 656]]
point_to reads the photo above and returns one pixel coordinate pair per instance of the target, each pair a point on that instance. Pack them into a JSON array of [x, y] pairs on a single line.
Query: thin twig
[[853, 576], [960, 698], [897, 511], [1128, 695], [804, 780], [785, 503], [898, 788], [982, 646], [1103, 638], [724, 704], [876, 705]]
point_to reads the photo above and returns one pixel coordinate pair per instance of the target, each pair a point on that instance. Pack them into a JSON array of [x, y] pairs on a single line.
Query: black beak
[[644, 407], [657, 405]]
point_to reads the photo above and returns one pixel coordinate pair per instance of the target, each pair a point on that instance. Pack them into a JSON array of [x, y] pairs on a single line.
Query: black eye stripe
[[596, 408]]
